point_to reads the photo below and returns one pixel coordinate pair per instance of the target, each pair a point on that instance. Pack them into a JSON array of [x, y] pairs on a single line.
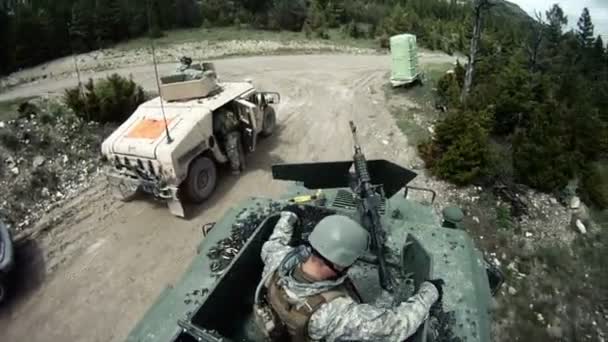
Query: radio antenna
[[160, 97]]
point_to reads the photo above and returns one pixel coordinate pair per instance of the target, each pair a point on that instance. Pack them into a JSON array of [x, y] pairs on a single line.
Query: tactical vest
[[296, 317]]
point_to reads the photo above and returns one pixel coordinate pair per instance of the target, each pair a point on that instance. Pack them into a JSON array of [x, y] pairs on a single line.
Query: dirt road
[[92, 277]]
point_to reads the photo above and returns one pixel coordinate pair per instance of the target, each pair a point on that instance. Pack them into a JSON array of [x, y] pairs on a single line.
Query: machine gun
[[372, 182], [370, 198]]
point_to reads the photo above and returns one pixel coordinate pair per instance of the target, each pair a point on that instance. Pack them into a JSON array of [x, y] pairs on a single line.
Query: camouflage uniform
[[190, 73], [227, 125], [343, 318]]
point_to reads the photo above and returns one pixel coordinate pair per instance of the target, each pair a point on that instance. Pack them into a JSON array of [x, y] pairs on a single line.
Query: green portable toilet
[[404, 56]]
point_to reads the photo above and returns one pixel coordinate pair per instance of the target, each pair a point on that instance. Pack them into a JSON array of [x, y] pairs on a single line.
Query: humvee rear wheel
[[270, 122], [201, 181]]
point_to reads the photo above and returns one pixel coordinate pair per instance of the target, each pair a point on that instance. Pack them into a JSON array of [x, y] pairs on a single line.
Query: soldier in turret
[[309, 293], [185, 68]]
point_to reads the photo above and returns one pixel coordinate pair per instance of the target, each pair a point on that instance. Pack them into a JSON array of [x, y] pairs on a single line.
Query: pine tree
[[166, 11], [585, 29], [332, 14], [598, 52], [137, 14], [82, 32], [514, 99], [28, 33], [289, 14], [556, 21], [316, 17], [154, 19], [187, 13], [47, 44], [6, 41], [108, 22], [541, 154], [462, 143]]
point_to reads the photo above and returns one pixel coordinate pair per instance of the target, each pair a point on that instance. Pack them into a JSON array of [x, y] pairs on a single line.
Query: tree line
[[35, 31], [537, 112]]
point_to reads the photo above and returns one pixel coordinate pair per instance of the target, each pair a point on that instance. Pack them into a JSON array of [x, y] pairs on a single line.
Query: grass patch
[[504, 220], [600, 218], [556, 284], [565, 284], [406, 121], [433, 72], [414, 106], [218, 34], [8, 109]]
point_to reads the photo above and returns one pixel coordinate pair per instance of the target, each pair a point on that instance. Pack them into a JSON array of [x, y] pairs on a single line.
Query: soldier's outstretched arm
[[277, 246], [345, 320]]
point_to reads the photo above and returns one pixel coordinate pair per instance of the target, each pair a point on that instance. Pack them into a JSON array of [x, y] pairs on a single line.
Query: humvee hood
[[146, 129]]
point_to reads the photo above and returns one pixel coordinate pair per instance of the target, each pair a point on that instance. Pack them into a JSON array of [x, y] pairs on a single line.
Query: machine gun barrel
[[359, 158], [370, 201], [199, 334]]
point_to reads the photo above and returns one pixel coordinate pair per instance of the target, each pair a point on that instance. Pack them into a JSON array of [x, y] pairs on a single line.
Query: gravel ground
[[115, 58]]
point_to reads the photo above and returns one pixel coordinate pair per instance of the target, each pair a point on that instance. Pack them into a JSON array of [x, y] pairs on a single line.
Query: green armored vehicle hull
[[214, 299], [216, 293]]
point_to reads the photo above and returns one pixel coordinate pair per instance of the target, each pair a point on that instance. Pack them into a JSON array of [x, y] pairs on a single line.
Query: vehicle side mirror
[[272, 98]]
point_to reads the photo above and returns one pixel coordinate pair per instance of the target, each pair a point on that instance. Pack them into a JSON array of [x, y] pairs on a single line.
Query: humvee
[[214, 299], [7, 259], [169, 147]]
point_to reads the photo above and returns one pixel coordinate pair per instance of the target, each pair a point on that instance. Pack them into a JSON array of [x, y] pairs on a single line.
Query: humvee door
[[250, 117]]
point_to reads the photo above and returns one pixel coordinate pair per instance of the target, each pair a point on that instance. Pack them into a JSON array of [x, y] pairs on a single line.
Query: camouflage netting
[[46, 155]]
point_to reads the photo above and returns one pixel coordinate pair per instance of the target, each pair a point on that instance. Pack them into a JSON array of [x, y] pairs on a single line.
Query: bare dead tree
[[479, 8], [536, 40]]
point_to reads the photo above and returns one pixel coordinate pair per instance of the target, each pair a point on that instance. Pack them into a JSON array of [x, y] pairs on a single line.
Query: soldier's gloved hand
[[438, 283], [295, 209]]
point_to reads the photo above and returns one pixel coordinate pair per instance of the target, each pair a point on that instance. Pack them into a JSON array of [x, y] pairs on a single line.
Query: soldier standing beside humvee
[[227, 125], [226, 122]]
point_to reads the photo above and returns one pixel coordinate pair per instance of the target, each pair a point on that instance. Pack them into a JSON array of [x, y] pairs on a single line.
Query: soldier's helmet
[[186, 62], [339, 239]]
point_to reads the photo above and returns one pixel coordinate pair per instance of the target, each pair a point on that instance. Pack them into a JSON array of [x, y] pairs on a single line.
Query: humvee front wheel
[[201, 181], [2, 289], [270, 122]]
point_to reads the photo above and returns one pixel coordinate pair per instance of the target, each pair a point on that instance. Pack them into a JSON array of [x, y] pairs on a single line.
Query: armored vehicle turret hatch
[[213, 301]]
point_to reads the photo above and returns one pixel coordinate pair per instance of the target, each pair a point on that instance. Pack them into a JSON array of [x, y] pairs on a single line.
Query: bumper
[[7, 253], [126, 186]]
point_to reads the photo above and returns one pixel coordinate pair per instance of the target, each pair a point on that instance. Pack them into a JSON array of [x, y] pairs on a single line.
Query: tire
[[270, 122], [3, 289], [242, 155], [124, 193], [201, 181]]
